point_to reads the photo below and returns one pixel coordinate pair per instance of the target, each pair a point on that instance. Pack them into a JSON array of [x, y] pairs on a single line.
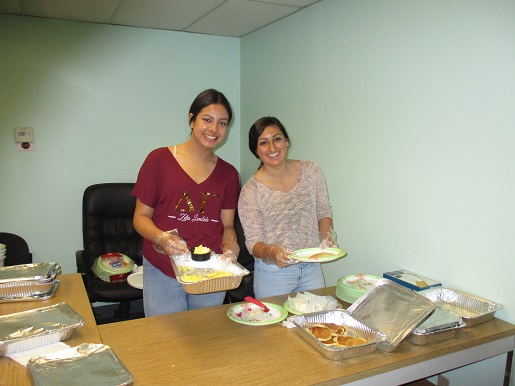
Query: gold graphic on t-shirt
[[191, 208]]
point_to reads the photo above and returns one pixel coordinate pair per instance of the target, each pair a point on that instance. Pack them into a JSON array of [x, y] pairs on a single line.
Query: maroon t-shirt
[[180, 203]]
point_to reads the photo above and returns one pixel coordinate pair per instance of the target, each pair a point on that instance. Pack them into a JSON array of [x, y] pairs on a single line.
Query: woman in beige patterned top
[[284, 206]]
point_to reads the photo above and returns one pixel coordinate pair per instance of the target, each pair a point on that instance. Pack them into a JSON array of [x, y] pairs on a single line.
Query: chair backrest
[[245, 258], [107, 213], [17, 249]]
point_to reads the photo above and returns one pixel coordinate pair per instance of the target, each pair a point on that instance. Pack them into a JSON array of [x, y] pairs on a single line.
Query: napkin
[[308, 302], [22, 357]]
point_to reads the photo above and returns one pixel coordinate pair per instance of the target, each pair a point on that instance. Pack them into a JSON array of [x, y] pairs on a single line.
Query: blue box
[[411, 280]]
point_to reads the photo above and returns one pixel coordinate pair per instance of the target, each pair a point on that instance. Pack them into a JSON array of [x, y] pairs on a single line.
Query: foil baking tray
[[441, 325], [86, 364], [22, 292], [36, 272], [340, 317], [473, 309], [185, 269], [34, 328], [392, 309]]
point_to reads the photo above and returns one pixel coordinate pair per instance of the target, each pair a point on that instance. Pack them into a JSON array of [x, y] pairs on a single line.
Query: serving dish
[[28, 282], [472, 309], [441, 325], [38, 327], [354, 326], [215, 264]]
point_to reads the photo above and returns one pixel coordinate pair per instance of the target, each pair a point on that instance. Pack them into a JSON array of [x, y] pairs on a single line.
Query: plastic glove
[[230, 248], [169, 243], [277, 254], [329, 240]]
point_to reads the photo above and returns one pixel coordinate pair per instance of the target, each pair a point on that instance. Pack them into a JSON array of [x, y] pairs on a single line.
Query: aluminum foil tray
[[37, 272], [30, 329], [341, 317], [441, 325], [472, 309], [208, 285], [23, 292], [86, 364], [392, 309]]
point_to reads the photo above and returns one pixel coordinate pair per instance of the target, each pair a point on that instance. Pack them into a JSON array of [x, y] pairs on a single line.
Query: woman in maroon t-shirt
[[186, 197]]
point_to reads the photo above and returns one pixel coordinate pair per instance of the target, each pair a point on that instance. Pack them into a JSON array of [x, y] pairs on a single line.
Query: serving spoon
[[257, 303]]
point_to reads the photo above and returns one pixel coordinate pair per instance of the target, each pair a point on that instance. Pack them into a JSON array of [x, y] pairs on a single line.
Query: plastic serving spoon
[[257, 303]]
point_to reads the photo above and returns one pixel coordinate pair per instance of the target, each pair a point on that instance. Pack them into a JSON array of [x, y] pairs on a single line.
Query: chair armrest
[[82, 266]]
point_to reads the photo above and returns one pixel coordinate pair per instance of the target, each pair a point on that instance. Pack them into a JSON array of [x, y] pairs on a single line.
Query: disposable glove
[[277, 254], [230, 248], [329, 241], [169, 243]]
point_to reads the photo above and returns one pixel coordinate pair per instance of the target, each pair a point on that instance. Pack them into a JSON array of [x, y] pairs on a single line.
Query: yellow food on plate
[[192, 275], [331, 334], [201, 250], [320, 255]]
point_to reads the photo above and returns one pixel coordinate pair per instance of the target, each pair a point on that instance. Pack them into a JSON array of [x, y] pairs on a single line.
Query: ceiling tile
[[163, 14], [98, 11], [240, 17]]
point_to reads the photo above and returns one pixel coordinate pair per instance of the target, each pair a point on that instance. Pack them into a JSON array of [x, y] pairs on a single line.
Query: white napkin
[[22, 357], [308, 302]]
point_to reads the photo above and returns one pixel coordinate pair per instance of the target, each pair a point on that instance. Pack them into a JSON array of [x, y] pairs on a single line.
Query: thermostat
[[23, 134]]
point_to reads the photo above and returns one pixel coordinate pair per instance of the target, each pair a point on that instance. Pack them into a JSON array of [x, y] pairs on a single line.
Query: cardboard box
[[411, 280]]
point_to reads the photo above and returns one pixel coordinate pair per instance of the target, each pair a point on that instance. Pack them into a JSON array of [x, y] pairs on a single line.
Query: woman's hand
[[277, 254], [169, 243]]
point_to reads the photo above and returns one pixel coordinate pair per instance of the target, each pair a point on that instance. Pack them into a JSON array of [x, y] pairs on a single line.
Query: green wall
[[99, 99], [408, 106]]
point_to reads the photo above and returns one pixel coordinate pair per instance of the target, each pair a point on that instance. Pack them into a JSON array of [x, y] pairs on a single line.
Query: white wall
[[98, 98], [408, 106]]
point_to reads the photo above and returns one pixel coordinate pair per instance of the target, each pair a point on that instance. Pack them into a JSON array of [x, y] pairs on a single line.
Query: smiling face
[[210, 125], [272, 146]]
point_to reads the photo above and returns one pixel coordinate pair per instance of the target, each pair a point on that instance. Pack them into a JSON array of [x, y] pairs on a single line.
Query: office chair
[[17, 249], [245, 258], [107, 212]]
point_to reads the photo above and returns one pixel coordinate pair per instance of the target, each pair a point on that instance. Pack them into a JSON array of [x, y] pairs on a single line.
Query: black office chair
[[107, 212], [17, 250], [246, 259]]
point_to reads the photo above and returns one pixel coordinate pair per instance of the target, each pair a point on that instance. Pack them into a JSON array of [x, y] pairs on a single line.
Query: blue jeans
[[165, 295], [270, 280]]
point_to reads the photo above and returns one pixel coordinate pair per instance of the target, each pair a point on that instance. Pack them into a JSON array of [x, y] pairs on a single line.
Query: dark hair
[[206, 98], [257, 129]]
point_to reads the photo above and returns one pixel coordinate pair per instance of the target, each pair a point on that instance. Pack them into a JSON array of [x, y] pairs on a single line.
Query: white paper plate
[[135, 280], [305, 255]]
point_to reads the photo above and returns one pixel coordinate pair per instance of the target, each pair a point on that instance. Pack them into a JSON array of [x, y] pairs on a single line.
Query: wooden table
[[206, 347], [71, 290]]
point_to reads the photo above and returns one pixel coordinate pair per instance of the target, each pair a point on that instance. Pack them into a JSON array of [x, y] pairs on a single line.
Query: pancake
[[319, 255], [321, 332], [356, 342]]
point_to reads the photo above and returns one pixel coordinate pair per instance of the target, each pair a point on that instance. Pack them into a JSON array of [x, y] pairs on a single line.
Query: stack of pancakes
[[332, 334]]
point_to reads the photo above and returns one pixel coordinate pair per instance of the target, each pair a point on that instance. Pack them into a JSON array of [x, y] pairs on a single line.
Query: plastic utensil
[[257, 303]]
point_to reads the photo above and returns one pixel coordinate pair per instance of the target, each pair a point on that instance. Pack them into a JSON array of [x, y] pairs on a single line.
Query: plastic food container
[[441, 325], [350, 288], [30, 329], [340, 317], [185, 268], [392, 309], [472, 309]]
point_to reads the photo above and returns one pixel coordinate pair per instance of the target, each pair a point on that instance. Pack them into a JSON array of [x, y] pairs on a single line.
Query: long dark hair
[[206, 98], [257, 129]]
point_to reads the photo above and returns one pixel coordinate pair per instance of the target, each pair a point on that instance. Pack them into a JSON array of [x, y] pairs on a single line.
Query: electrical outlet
[[443, 381]]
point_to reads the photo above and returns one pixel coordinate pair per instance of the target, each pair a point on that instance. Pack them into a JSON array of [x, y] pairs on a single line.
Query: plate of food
[[307, 302], [318, 255], [253, 315]]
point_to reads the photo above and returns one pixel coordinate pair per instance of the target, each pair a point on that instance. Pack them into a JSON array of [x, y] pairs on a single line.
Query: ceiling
[[234, 18]]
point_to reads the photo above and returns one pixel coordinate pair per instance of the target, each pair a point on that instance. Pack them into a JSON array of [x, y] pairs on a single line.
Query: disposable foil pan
[[41, 326], [202, 286], [340, 317], [22, 292], [86, 364], [36, 272], [441, 325], [472, 309], [392, 309]]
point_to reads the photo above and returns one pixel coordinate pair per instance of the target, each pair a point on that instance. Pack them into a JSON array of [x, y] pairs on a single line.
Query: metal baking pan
[[22, 292], [30, 329], [208, 285], [392, 309], [37, 272], [472, 309], [340, 317], [86, 364], [441, 325]]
